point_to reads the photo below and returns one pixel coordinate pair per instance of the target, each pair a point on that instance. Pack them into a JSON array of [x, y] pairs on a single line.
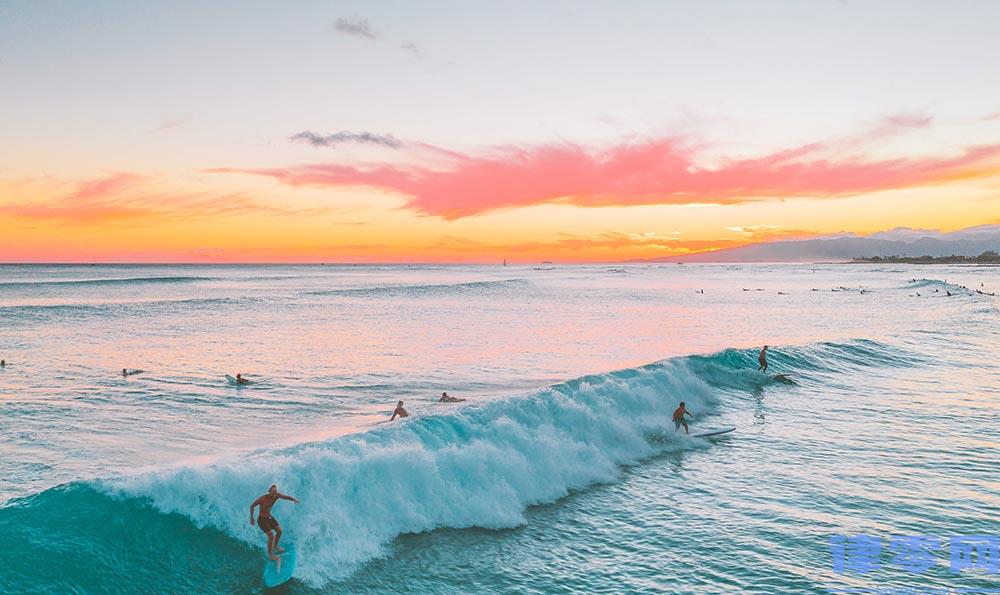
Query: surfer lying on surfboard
[[267, 523], [679, 420]]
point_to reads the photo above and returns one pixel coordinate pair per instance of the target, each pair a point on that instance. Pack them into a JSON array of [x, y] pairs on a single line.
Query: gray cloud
[[357, 28], [346, 136]]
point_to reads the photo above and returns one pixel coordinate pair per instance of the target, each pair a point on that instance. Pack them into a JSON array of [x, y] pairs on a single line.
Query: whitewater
[[562, 470]]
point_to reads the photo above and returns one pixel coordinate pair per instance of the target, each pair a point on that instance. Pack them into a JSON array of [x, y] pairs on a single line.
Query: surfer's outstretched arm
[[287, 497]]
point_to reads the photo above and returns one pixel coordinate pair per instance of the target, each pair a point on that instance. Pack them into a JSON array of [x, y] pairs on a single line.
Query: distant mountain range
[[896, 242]]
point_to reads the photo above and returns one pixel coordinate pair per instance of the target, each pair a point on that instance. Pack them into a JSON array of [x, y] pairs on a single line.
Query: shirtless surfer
[[399, 411], [267, 523], [679, 420], [762, 358], [446, 398], [240, 379]]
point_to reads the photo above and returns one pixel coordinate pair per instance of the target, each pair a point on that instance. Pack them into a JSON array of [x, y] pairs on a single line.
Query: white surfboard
[[715, 432]]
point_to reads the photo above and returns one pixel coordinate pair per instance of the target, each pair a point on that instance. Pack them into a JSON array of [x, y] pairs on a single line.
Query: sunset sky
[[473, 131]]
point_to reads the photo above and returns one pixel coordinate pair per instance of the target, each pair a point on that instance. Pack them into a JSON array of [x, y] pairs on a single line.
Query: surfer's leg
[[277, 538], [270, 546]]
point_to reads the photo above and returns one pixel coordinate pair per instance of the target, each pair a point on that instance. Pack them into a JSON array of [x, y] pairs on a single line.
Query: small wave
[[101, 282], [27, 312], [406, 290], [934, 283]]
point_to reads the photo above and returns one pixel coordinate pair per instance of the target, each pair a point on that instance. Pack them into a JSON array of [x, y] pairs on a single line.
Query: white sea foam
[[479, 466]]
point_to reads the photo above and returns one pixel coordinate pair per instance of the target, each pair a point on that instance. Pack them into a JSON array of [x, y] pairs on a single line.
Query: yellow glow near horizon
[[247, 219]]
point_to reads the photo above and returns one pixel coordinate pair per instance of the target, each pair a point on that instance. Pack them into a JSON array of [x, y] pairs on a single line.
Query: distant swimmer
[[3, 363], [399, 411], [445, 398], [679, 420], [131, 372], [267, 523], [240, 379], [762, 358]]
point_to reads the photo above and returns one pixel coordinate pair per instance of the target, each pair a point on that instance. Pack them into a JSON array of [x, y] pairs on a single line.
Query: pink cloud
[[658, 171], [907, 121]]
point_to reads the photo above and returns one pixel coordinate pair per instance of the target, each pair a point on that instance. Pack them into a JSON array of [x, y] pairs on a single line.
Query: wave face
[[480, 465]]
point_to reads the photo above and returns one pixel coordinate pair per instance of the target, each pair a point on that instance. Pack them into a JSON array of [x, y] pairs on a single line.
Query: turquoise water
[[560, 473]]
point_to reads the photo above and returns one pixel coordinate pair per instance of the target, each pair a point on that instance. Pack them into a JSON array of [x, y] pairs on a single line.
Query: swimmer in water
[[240, 379], [399, 411]]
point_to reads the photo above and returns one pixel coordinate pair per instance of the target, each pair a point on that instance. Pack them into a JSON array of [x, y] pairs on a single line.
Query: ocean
[[871, 466]]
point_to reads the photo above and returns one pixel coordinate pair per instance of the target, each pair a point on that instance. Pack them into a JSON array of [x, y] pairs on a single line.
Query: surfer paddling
[[267, 523], [240, 379], [679, 420], [762, 358], [399, 412], [446, 398]]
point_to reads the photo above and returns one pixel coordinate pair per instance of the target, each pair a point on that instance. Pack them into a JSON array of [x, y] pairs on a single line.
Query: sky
[[480, 131]]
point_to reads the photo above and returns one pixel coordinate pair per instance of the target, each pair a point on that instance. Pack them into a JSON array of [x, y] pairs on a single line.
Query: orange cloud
[[124, 196], [651, 172]]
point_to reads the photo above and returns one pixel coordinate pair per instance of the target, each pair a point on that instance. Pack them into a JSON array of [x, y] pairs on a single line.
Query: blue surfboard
[[278, 573], [714, 432]]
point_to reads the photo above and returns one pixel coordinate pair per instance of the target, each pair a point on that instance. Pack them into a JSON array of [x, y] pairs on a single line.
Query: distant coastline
[[988, 257]]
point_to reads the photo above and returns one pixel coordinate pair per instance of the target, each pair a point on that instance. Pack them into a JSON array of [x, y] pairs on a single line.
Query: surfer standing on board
[[679, 420], [267, 523], [762, 358]]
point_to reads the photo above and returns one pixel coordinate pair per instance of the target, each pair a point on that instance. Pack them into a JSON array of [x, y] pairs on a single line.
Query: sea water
[[561, 472]]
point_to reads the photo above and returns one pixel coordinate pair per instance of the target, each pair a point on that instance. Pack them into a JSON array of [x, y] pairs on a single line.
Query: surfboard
[[231, 379], [278, 573], [714, 432]]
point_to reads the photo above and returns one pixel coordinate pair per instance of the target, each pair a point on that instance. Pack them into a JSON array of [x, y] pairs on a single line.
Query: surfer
[[679, 420], [399, 411], [267, 523], [445, 398], [762, 358], [240, 379]]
